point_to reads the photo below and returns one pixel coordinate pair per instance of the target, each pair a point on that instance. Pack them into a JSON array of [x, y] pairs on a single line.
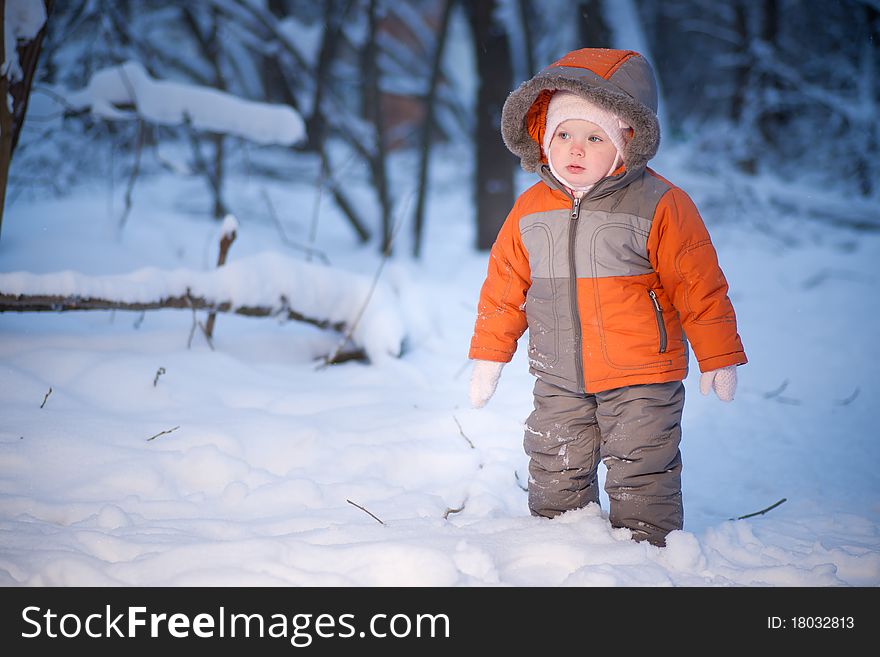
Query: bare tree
[[428, 126], [17, 90], [593, 30], [495, 165]]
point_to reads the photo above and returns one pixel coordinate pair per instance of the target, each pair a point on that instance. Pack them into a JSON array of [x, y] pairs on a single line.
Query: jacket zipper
[[658, 313], [572, 278], [572, 291]]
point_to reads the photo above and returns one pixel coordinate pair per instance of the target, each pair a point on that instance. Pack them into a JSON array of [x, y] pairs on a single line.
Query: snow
[[174, 103], [242, 465], [22, 20]]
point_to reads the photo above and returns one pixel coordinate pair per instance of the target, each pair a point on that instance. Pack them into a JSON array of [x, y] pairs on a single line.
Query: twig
[[762, 511], [135, 170], [777, 392], [518, 482], [207, 335], [226, 240], [161, 433], [195, 323], [777, 395], [461, 431], [849, 400], [159, 373], [385, 255], [286, 240], [450, 511], [192, 329], [46, 397], [364, 510]]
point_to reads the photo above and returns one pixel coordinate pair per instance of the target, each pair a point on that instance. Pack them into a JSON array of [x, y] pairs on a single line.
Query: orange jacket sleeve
[[682, 253], [501, 318]]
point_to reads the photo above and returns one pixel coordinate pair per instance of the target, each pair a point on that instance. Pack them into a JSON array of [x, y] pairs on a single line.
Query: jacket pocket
[[658, 314]]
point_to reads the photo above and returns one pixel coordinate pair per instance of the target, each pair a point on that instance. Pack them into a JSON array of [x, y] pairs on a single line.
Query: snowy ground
[[252, 486]]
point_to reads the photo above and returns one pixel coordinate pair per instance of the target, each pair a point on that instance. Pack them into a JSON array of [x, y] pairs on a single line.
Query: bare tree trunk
[[772, 119], [372, 97], [527, 20], [428, 126], [741, 72], [209, 44], [593, 31], [494, 163], [744, 93], [335, 14], [12, 119], [864, 167]]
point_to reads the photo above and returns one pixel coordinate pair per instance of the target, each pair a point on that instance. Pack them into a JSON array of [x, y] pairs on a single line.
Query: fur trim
[[518, 112]]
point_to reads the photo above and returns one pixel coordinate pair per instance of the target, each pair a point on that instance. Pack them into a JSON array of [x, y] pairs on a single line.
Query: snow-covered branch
[[112, 91], [263, 285]]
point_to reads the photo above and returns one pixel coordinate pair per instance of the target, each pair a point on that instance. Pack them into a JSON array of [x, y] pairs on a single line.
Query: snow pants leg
[[636, 430]]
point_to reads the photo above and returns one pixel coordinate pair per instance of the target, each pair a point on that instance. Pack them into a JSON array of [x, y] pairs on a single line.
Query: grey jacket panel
[[607, 244], [551, 348]]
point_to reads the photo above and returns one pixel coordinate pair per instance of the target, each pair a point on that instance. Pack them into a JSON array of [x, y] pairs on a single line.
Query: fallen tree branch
[[364, 510], [762, 511], [56, 303], [262, 285]]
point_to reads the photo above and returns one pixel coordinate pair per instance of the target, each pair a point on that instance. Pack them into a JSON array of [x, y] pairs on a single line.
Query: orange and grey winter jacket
[[607, 284]]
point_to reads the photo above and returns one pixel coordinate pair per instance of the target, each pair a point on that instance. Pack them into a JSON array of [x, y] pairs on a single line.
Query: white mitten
[[484, 378], [723, 381]]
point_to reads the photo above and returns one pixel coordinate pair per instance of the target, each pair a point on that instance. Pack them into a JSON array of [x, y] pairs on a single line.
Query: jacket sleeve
[[682, 254], [501, 317]]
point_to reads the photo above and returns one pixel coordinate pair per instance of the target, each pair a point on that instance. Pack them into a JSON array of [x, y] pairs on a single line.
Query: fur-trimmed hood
[[621, 81]]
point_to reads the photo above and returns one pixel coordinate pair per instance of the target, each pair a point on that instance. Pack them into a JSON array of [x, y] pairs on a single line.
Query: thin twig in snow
[[142, 129], [364, 510], [159, 373], [461, 431], [450, 511], [46, 397], [286, 240], [778, 391], [385, 255], [195, 323], [849, 400], [162, 433], [762, 511], [777, 395], [519, 482]]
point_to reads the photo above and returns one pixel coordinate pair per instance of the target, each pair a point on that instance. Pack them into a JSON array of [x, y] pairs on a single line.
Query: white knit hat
[[565, 105]]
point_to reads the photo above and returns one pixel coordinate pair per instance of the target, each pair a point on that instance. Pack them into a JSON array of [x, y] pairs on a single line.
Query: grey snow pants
[[636, 430]]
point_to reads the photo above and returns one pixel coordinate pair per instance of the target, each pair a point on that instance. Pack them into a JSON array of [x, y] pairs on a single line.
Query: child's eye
[[595, 139], [562, 134]]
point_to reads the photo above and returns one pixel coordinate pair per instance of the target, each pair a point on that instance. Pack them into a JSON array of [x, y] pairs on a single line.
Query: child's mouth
[[575, 168]]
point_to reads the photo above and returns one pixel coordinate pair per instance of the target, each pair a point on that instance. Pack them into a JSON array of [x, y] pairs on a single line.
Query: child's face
[[581, 152]]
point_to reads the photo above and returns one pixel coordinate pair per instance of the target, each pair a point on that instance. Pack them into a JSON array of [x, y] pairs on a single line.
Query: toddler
[[608, 265]]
